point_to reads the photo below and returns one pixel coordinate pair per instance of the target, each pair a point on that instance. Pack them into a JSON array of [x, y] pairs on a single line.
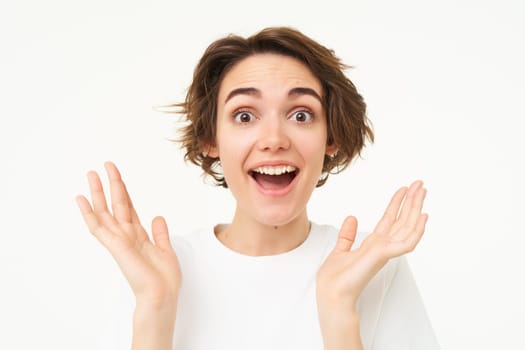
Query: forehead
[[269, 71]]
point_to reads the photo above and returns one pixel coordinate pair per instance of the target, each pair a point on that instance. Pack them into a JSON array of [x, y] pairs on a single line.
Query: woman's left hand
[[345, 272]]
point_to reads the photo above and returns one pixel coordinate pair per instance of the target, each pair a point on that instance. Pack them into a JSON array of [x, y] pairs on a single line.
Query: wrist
[[155, 312], [340, 319], [328, 301], [340, 324], [153, 327], [341, 332]]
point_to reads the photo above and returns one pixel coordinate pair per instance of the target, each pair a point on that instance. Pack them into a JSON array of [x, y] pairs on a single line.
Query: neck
[[250, 237]]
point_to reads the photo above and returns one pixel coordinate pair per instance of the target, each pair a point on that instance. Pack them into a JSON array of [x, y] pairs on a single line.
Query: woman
[[269, 117]]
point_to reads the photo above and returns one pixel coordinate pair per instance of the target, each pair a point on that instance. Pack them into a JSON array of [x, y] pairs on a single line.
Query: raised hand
[[151, 268], [345, 272]]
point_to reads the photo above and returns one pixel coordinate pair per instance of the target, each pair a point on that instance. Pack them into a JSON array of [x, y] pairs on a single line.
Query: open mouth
[[274, 177]]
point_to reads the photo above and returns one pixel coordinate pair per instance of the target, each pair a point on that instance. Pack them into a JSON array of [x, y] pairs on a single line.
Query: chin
[[278, 217]]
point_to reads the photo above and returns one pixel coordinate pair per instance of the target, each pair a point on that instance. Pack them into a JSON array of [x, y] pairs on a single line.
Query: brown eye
[[243, 117], [302, 116]]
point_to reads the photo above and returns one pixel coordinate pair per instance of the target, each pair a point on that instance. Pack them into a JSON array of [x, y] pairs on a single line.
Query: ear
[[331, 150], [210, 151]]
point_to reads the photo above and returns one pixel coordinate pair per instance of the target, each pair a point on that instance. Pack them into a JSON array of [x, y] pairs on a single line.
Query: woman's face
[[271, 136]]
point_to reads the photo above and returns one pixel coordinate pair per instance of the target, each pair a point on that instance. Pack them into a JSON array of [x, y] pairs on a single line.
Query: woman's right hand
[[151, 268]]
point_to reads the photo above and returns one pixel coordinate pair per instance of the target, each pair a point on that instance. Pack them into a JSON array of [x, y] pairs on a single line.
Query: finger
[[98, 198], [133, 213], [124, 211], [119, 198], [92, 221], [346, 235], [159, 230], [87, 213], [415, 211], [407, 205], [97, 193], [409, 243], [390, 215]]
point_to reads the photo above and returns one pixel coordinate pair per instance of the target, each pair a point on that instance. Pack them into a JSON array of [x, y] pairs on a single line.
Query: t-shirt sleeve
[[403, 323]]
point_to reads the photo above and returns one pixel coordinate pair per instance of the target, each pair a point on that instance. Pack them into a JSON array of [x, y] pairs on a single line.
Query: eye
[[302, 116], [243, 117]]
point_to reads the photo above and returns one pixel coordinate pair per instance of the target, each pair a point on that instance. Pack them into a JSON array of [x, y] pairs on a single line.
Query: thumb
[[159, 230], [346, 235]]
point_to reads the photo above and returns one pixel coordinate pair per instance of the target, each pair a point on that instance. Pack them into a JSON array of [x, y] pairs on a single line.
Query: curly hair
[[348, 127]]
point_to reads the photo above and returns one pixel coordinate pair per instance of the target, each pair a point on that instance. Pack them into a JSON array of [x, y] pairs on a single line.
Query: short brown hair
[[347, 124]]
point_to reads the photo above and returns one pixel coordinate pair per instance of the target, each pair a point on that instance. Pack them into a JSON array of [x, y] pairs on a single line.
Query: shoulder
[[331, 233], [187, 245], [192, 238]]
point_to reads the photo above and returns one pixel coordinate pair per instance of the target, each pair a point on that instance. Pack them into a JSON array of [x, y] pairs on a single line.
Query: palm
[[345, 273], [151, 268]]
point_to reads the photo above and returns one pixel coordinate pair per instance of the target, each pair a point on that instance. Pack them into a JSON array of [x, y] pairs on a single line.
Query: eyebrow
[[297, 91], [243, 91]]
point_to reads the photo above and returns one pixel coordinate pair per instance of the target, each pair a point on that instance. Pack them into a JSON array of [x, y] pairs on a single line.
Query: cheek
[[234, 144], [313, 152], [315, 156], [232, 150]]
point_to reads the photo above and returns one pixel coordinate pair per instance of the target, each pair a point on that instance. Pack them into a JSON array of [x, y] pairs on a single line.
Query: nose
[[273, 135]]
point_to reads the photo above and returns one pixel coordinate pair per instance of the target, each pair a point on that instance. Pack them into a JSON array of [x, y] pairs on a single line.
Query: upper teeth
[[274, 170]]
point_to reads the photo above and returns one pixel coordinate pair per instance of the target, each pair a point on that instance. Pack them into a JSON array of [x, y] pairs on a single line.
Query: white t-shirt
[[233, 301]]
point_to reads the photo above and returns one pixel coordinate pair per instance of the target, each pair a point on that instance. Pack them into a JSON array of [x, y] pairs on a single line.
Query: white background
[[444, 82]]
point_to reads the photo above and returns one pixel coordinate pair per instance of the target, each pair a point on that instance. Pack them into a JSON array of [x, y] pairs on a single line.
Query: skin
[[151, 267], [264, 223], [269, 224]]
